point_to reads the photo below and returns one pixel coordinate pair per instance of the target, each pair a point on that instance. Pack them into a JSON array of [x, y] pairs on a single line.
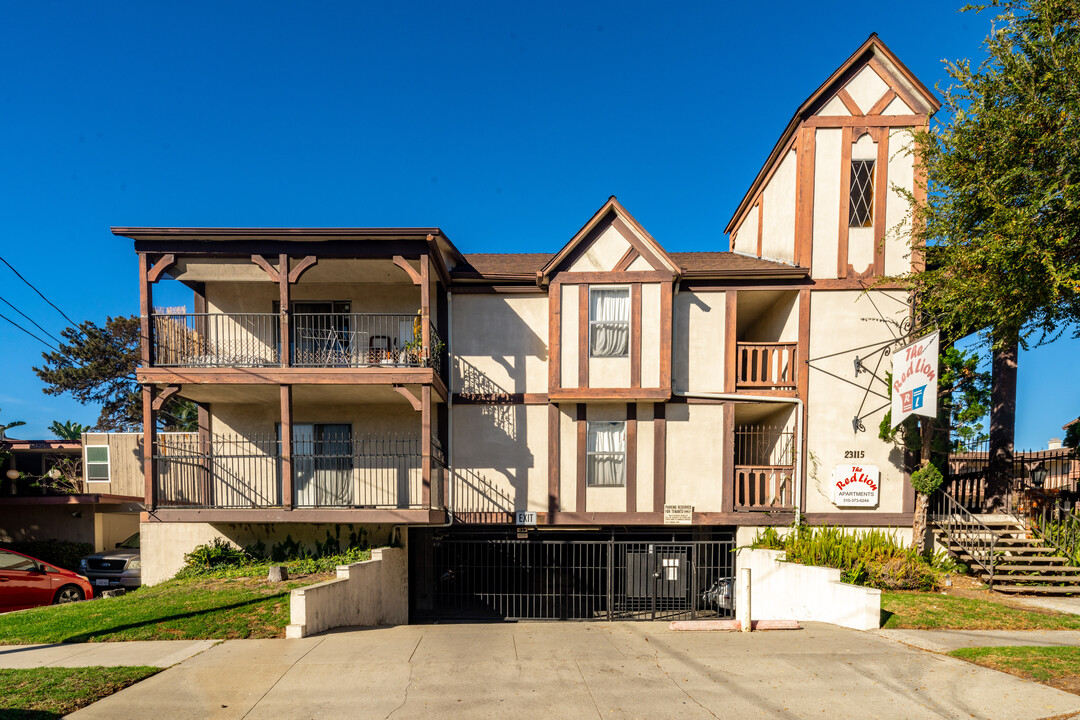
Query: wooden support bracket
[[266, 266], [301, 267], [404, 265], [163, 264], [407, 394], [164, 394]]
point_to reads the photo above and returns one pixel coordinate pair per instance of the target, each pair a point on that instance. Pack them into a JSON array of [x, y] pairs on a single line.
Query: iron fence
[[544, 579], [371, 471], [1054, 471], [216, 340], [764, 467]]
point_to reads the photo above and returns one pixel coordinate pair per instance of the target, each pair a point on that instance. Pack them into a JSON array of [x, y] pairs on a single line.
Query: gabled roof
[[612, 208], [873, 47]]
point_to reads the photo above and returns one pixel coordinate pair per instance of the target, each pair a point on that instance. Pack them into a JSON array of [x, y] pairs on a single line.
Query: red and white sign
[[914, 379], [856, 485]]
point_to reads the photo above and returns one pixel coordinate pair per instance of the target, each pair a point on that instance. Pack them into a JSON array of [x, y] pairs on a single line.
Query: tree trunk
[[918, 529], [1002, 426]]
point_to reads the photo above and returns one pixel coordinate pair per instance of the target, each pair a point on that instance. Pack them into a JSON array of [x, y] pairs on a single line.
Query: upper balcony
[[767, 342], [316, 340]]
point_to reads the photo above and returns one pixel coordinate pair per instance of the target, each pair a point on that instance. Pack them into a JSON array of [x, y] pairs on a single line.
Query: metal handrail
[[979, 543]]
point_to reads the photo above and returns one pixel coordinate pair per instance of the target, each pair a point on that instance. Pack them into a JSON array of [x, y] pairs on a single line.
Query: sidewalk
[[155, 653], [944, 641], [571, 670]]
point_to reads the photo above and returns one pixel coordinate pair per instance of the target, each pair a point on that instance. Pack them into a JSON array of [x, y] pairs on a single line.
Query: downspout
[[449, 499], [797, 402]]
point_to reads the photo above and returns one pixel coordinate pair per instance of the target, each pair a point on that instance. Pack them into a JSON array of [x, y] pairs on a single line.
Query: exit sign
[[526, 518]]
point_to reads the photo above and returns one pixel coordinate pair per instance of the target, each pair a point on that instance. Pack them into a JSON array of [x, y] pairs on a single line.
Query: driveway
[[579, 670]]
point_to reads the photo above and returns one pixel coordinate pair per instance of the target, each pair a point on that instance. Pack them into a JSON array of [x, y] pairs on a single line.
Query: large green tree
[[1001, 221], [96, 365]]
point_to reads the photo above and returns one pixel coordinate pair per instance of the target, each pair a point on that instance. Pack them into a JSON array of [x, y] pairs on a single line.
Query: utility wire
[[46, 344], [30, 319], [74, 324]]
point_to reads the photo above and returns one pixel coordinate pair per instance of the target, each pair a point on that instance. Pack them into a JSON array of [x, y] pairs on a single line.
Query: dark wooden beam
[[287, 474], [164, 394], [302, 267], [164, 263], [425, 444], [408, 395], [409, 269]]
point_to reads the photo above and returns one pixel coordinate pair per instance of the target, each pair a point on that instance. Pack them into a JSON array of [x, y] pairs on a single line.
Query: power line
[[30, 319], [31, 285], [48, 345]]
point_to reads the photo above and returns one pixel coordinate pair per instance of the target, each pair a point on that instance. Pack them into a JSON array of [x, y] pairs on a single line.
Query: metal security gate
[[568, 579]]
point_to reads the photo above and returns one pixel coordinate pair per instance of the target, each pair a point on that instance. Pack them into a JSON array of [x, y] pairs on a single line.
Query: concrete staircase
[[1023, 562]]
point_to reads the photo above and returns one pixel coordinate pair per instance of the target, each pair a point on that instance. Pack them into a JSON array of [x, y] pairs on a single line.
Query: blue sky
[[506, 124]]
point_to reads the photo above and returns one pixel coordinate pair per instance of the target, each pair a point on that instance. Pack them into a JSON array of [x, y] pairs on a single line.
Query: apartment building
[[577, 433]]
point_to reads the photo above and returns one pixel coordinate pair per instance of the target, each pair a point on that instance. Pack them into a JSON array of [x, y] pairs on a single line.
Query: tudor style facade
[[380, 378]]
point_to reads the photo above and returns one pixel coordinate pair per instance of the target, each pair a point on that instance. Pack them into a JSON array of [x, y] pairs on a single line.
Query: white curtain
[[607, 453], [610, 314]]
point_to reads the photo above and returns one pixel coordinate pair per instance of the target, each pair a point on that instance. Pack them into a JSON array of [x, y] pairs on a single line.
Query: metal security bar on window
[[609, 322], [861, 213], [606, 454], [764, 467]]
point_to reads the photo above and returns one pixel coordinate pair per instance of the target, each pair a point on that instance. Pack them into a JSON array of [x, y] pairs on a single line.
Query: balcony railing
[[378, 472], [765, 366], [316, 340], [764, 467], [764, 488]]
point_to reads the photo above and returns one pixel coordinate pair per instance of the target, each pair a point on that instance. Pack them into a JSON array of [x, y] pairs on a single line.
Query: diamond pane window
[[861, 206]]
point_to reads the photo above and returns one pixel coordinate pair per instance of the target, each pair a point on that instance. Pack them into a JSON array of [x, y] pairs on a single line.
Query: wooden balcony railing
[[232, 472], [764, 487], [765, 366]]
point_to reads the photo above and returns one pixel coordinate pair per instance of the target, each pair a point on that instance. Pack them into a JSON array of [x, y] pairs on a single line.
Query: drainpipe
[[449, 499], [797, 402]]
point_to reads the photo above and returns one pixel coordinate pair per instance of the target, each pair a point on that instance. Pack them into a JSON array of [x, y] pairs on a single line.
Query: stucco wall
[[897, 208], [650, 335], [500, 458], [695, 456], [375, 592], [500, 344], [844, 320], [569, 339], [778, 214], [826, 202], [259, 297], [163, 545], [603, 254], [789, 591], [698, 362]]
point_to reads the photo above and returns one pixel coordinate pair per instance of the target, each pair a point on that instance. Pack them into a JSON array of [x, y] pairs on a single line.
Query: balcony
[[226, 472], [317, 340], [764, 468], [765, 366]]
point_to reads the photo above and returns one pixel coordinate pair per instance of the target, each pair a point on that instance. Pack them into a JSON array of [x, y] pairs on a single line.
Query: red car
[[26, 582]]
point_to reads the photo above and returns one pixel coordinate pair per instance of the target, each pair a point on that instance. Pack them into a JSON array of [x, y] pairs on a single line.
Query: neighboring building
[[581, 433], [95, 497]]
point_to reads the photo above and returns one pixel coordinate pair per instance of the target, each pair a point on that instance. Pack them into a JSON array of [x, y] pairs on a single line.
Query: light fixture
[[13, 474], [54, 474], [1038, 476]]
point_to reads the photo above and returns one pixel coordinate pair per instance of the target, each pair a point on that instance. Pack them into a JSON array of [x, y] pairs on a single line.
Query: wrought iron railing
[[316, 340], [216, 340], [972, 535], [374, 471], [766, 365], [1060, 528]]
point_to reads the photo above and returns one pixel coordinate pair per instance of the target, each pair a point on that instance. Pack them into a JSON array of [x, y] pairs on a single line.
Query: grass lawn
[[183, 609], [934, 611], [41, 693], [1056, 666]]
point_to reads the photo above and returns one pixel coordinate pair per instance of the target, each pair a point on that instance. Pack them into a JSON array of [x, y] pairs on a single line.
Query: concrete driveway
[[579, 670]]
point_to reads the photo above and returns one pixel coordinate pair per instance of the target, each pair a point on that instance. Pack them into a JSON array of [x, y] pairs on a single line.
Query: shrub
[[926, 479], [872, 558], [214, 554], [61, 553]]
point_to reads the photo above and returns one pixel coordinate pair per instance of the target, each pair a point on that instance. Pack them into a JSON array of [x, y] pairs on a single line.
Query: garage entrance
[[496, 575]]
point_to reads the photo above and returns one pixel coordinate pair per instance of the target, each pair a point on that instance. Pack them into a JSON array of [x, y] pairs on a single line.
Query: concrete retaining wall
[[375, 592], [789, 591]]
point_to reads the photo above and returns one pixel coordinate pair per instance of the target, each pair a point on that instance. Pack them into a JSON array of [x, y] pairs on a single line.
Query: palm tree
[[7, 426]]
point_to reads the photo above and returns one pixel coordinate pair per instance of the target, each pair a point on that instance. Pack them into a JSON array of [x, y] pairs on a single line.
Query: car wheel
[[68, 594]]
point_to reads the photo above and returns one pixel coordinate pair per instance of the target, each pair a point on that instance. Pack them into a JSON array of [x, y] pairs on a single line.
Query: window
[[861, 204], [606, 453], [609, 322], [97, 463]]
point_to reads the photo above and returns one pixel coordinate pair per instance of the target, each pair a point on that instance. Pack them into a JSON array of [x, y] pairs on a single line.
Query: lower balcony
[[764, 468], [248, 479]]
